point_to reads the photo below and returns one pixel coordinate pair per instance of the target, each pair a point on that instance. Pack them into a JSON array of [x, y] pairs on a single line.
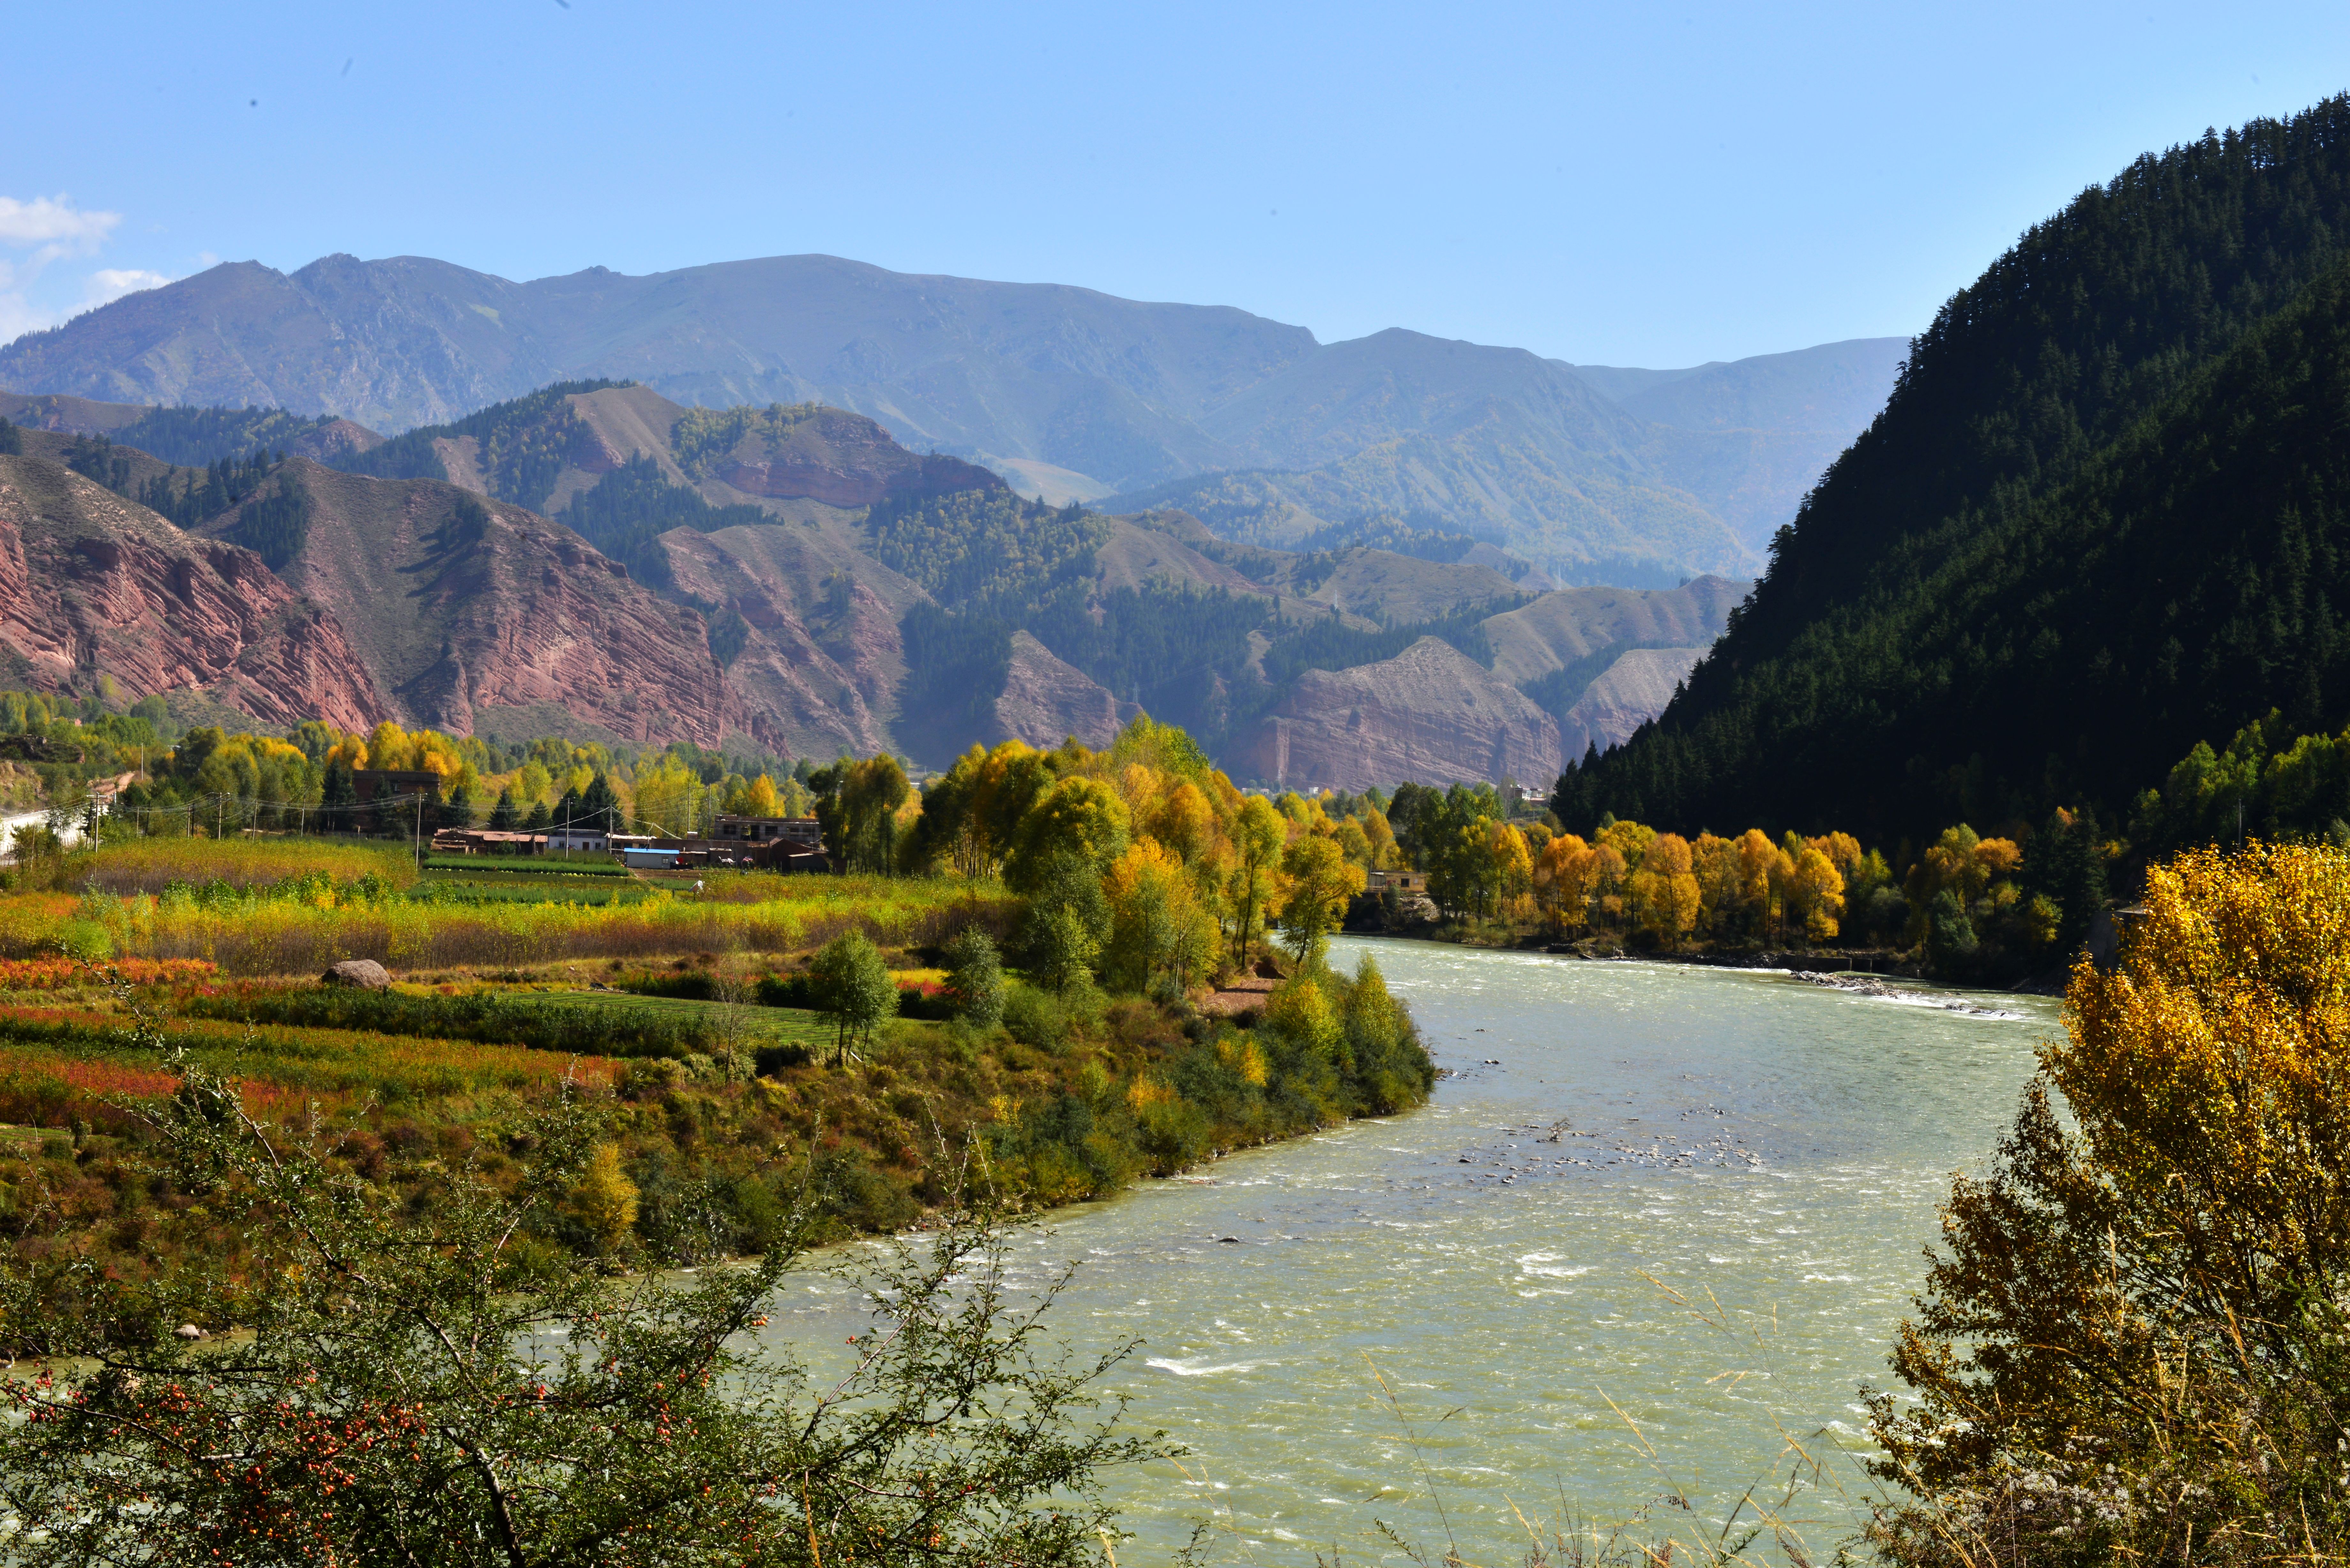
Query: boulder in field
[[364, 973]]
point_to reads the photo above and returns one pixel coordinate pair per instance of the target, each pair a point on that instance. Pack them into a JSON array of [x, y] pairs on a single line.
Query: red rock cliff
[[93, 585]]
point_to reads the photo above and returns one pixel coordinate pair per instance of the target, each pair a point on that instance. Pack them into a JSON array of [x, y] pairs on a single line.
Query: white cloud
[[47, 230], [18, 317], [54, 223], [109, 283]]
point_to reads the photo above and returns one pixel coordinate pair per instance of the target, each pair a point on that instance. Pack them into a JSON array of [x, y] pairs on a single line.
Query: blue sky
[[1652, 185]]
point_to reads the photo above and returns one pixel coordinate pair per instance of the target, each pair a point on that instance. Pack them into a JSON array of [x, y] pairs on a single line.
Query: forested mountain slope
[[2095, 523]]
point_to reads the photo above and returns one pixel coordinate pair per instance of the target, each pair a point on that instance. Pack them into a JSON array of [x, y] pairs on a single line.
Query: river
[[1654, 1218]]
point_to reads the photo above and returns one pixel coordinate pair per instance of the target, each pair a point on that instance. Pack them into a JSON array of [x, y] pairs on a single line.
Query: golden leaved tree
[[2134, 1344]]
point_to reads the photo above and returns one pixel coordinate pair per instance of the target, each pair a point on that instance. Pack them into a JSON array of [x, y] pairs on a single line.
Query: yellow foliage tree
[[1666, 897], [1513, 868], [1252, 886], [1629, 840], [388, 748], [605, 1200], [755, 797], [1158, 930], [1319, 882], [1562, 879], [2130, 1348], [1816, 894], [1184, 822]]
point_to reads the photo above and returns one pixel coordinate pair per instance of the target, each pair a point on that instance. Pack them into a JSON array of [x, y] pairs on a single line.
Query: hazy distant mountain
[[1835, 389], [1591, 474], [1105, 386]]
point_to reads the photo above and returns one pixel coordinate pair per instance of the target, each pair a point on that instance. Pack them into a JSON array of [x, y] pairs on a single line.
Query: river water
[[1656, 1221]]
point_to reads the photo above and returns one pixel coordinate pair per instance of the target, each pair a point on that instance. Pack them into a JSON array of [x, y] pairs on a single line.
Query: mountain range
[[1593, 474], [595, 560]]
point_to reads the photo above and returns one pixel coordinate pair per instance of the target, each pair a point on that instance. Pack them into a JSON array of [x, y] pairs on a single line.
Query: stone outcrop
[[1045, 700], [1431, 713], [1633, 691], [811, 672], [92, 584]]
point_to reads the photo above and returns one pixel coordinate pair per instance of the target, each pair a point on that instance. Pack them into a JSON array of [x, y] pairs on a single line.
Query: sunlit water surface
[[1507, 1260]]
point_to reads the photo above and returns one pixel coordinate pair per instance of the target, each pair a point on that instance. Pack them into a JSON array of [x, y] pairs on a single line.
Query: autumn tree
[[1814, 890], [1320, 880], [1254, 883], [1158, 933], [1512, 868], [1078, 816], [1562, 884], [1665, 893], [2131, 1345]]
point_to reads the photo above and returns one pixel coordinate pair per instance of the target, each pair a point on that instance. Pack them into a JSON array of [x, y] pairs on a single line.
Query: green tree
[[1078, 816], [503, 817], [854, 989], [600, 806], [338, 799], [975, 977], [1065, 950], [406, 1387]]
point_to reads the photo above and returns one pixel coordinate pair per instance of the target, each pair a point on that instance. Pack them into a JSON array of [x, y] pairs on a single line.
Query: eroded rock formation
[[1431, 713], [93, 585], [1047, 700]]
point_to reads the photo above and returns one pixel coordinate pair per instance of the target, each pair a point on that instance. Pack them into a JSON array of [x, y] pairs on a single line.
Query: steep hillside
[[1549, 634], [1073, 395], [1378, 585], [2096, 523], [92, 584], [478, 617], [816, 650], [1637, 685], [1430, 713]]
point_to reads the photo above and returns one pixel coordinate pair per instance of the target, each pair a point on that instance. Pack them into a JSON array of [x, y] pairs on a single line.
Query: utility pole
[[420, 830]]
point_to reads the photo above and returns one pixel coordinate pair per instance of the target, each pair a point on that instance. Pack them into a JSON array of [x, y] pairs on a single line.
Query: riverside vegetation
[[1012, 985]]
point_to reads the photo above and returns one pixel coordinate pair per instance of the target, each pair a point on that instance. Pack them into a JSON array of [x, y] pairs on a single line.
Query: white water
[[1778, 1145]]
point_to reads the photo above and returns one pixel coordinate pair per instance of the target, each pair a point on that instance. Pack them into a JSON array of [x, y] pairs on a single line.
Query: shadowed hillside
[[2097, 523]]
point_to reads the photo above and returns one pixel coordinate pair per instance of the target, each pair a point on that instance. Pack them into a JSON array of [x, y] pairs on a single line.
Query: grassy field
[[599, 893], [150, 866], [294, 906], [483, 866]]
